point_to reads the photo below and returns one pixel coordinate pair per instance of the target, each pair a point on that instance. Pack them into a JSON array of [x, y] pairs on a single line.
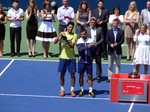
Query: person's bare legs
[[146, 69], [33, 47], [1, 48], [128, 48], [81, 80], [137, 67], [47, 48], [73, 79], [62, 79], [90, 80], [28, 46], [44, 49], [133, 49]]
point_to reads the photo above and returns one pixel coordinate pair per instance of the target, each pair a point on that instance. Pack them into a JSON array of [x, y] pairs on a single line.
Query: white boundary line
[[52, 61], [57, 97], [30, 60], [131, 106], [6, 67]]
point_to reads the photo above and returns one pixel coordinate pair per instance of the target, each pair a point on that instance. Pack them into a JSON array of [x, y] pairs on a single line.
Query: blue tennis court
[[33, 86]]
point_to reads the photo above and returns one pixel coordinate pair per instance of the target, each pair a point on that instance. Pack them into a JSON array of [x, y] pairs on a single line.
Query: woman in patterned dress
[[46, 31], [131, 19]]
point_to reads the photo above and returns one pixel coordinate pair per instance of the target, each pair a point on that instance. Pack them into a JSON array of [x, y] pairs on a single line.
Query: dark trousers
[[62, 28], [98, 66], [104, 47], [15, 34], [104, 44]]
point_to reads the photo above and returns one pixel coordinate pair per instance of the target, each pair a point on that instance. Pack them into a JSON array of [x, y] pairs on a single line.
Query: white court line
[[131, 106], [6, 68], [58, 97], [56, 61], [34, 60]]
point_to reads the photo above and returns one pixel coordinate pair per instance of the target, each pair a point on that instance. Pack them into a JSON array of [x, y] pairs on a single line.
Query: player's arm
[[58, 37]]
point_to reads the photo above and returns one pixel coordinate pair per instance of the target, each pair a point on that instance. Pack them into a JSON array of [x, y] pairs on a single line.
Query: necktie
[[100, 13]]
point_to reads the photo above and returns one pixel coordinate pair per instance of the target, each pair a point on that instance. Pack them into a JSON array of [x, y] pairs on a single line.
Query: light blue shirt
[[149, 16], [62, 11], [115, 33]]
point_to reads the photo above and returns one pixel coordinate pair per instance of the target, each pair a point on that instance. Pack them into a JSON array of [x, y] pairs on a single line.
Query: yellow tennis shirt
[[66, 51]]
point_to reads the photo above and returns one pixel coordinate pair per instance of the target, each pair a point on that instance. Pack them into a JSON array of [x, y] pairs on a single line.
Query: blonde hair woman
[[142, 53], [131, 19]]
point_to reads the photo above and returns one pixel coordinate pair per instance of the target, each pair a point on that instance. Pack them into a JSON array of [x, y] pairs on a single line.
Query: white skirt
[[142, 55], [46, 32]]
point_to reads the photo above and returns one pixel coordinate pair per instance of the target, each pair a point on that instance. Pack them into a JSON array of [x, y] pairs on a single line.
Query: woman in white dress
[[142, 52], [46, 31]]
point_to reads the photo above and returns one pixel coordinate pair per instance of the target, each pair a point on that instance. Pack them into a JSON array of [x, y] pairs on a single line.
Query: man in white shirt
[[96, 34], [15, 16], [65, 14]]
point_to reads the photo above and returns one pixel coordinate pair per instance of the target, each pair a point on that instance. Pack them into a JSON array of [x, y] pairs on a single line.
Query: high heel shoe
[[128, 59], [33, 55], [30, 54]]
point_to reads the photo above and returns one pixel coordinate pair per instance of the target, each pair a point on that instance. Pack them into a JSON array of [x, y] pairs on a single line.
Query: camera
[[2, 19]]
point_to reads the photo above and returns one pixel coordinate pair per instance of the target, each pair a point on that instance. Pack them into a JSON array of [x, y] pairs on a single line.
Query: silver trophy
[[134, 73]]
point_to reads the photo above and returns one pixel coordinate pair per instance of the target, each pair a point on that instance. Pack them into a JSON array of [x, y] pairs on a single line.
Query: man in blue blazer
[[114, 39]]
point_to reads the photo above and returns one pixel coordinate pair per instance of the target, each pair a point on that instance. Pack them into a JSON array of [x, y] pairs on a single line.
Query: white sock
[[82, 88], [90, 89], [62, 88], [72, 88]]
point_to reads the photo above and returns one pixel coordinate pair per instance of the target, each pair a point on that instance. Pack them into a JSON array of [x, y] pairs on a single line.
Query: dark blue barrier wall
[[74, 3]]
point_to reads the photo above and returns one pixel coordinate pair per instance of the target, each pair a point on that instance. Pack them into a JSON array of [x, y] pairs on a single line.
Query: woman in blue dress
[[82, 17]]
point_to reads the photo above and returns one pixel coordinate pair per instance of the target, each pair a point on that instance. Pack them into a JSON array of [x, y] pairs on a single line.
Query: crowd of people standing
[[93, 38]]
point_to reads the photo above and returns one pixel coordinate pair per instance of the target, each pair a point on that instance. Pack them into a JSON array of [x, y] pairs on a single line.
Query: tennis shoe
[[62, 93], [81, 93], [72, 93], [91, 94]]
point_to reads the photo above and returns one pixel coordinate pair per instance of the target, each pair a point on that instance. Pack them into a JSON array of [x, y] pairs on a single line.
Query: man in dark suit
[[114, 39], [96, 34], [145, 15], [102, 16]]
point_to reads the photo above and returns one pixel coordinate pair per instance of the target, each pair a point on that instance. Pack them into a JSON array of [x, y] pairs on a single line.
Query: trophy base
[[134, 75]]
